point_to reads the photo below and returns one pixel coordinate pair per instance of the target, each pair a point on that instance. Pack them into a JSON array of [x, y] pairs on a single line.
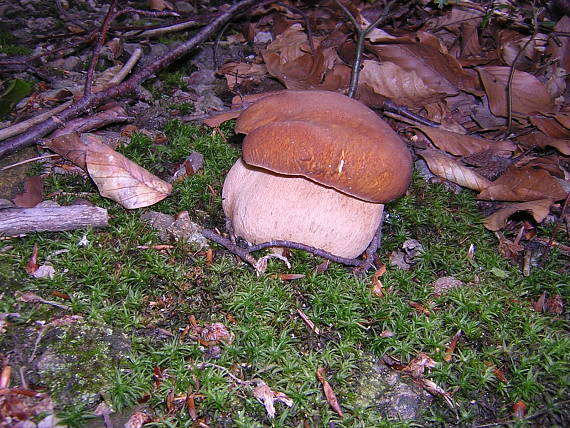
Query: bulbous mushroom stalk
[[317, 168]]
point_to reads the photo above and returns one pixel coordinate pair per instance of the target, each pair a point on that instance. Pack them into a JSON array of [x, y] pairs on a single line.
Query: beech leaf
[[539, 210], [462, 145], [528, 94], [268, 398], [450, 169]]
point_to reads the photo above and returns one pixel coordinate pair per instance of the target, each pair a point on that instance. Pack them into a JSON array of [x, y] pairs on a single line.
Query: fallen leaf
[[377, 287], [417, 366], [435, 389], [519, 409], [32, 194], [450, 169], [550, 126], [419, 308], [289, 276], [463, 145], [329, 393], [137, 420], [117, 177], [451, 347], [538, 139], [216, 332], [236, 72], [539, 210], [387, 333], [528, 94], [523, 184], [268, 398], [540, 304], [32, 264], [497, 372], [555, 305]]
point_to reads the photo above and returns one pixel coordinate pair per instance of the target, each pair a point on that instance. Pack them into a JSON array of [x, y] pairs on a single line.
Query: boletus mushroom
[[316, 169]]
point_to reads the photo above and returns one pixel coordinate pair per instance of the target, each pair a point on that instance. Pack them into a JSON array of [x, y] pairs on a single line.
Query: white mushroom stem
[[265, 206]]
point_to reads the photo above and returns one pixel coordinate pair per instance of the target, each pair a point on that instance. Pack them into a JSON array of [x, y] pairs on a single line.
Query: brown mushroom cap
[[329, 138]]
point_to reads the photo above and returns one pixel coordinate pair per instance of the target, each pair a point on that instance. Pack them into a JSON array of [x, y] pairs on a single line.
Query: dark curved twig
[[130, 85], [361, 33], [361, 264]]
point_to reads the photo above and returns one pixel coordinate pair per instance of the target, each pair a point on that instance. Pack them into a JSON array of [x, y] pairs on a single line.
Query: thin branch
[[361, 37], [98, 46], [128, 86]]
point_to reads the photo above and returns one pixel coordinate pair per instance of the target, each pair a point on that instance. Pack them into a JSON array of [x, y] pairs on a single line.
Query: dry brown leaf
[[377, 287], [463, 145], [32, 194], [116, 177], [137, 420], [450, 169], [563, 119], [216, 120], [555, 305], [236, 72], [418, 365], [329, 393], [524, 184], [559, 48], [551, 126], [268, 398], [529, 95], [404, 87], [539, 210], [159, 5], [540, 140], [289, 59], [32, 265], [540, 304], [440, 71], [420, 308], [216, 332], [451, 347], [436, 390]]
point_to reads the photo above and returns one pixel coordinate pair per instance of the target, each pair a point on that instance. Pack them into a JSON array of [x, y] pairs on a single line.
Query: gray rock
[[392, 394]]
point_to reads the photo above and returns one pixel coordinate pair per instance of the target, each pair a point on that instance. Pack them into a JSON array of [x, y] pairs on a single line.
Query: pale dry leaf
[[551, 126], [438, 70], [236, 72], [463, 145], [529, 95], [419, 364], [540, 140], [329, 393], [434, 389], [268, 398], [122, 180], [377, 287], [405, 87], [216, 332], [137, 420], [539, 210], [450, 169], [524, 184]]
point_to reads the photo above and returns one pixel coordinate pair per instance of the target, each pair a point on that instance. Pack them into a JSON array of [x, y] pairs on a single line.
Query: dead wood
[[16, 221], [91, 100]]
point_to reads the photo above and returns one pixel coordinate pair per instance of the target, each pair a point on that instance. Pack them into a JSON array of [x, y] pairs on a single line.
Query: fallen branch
[[91, 100], [17, 221]]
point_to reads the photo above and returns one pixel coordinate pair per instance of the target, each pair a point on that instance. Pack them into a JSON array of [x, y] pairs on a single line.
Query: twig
[[120, 76], [20, 127], [361, 33], [227, 372], [512, 74], [128, 86], [28, 161], [305, 20], [98, 46], [389, 106]]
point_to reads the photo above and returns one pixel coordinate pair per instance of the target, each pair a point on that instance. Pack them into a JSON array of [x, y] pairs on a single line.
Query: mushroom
[[316, 169]]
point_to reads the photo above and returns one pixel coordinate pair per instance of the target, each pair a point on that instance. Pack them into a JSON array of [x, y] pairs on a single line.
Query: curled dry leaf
[[117, 177], [451, 347], [137, 420], [463, 145], [216, 332], [540, 140], [377, 287], [329, 393], [236, 72], [524, 184], [32, 194], [539, 210], [550, 126], [435, 389], [529, 95], [519, 409], [450, 169], [268, 398], [418, 365], [404, 87], [32, 265]]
